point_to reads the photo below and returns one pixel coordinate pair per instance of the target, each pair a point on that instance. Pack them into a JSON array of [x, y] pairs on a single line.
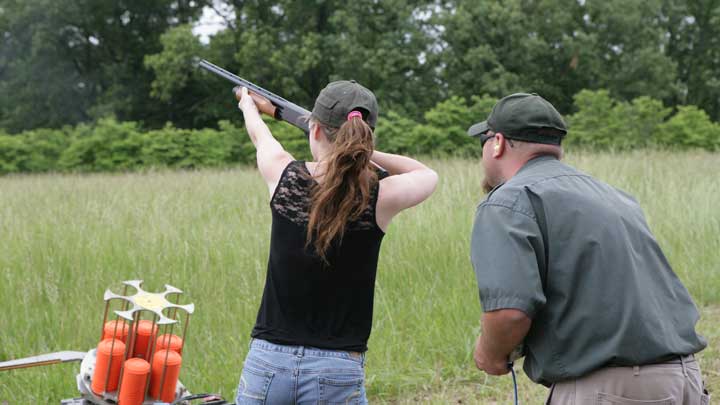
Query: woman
[[328, 219]]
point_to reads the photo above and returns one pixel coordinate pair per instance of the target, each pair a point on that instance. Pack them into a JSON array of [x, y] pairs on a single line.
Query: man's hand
[[486, 363], [503, 330]]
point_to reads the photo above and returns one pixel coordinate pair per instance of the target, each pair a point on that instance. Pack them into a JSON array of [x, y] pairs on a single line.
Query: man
[[567, 266]]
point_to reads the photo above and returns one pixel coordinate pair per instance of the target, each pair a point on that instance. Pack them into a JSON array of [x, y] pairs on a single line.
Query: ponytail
[[347, 182]]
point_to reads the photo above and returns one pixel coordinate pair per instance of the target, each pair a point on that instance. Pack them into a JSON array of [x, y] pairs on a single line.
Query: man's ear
[[500, 145]]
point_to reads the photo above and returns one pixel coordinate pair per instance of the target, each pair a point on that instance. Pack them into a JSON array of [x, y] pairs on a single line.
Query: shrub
[[394, 134], [14, 154], [445, 130], [599, 123], [594, 124], [164, 147], [604, 123], [642, 117], [45, 147], [108, 145], [690, 127]]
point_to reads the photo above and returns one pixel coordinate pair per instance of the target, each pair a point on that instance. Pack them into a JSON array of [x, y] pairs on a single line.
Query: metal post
[[129, 348], [150, 357], [185, 328], [167, 350], [107, 307], [125, 302]]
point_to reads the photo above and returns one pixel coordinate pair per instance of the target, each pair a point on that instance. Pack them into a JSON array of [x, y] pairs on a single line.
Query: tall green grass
[[64, 239]]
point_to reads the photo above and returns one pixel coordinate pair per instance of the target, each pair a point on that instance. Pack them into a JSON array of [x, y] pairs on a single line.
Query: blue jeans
[[279, 374]]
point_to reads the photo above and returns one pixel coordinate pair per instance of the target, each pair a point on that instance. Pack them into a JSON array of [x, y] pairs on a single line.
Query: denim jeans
[[279, 374]]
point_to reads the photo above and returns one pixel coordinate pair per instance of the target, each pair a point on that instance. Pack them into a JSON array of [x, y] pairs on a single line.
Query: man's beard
[[486, 186], [489, 183]]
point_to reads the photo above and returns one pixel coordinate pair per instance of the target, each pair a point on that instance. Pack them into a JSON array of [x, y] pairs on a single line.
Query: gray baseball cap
[[339, 98], [525, 117]]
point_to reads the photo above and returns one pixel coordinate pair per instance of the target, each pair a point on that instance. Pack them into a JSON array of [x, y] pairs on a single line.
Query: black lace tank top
[[309, 302]]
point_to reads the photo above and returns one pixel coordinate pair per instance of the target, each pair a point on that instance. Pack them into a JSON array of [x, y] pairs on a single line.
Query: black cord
[[512, 371]]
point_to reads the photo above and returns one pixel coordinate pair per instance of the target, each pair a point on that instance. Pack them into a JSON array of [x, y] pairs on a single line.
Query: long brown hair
[[346, 184]]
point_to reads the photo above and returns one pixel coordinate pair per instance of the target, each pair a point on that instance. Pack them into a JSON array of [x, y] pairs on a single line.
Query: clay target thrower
[[138, 358], [138, 320]]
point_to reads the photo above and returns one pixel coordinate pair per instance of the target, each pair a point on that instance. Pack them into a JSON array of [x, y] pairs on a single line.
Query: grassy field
[[64, 239]]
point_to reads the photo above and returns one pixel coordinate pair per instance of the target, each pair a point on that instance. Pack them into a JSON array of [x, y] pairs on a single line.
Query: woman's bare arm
[[272, 158], [410, 183]]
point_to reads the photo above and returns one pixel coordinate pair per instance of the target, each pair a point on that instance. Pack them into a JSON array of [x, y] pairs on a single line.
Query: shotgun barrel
[[284, 110]]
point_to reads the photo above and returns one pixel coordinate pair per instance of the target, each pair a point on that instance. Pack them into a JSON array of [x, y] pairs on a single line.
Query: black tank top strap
[[367, 219], [292, 194]]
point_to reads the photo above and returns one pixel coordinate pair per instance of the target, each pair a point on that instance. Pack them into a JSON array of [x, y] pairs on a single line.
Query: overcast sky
[[211, 22]]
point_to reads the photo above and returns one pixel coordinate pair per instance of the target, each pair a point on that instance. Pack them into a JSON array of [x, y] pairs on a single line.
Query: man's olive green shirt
[[577, 256]]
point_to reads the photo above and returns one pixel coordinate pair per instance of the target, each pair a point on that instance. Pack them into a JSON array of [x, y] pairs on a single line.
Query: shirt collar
[[534, 162], [530, 163]]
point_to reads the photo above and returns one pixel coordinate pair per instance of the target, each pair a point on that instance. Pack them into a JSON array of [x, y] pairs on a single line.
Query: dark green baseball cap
[[340, 98], [524, 117]]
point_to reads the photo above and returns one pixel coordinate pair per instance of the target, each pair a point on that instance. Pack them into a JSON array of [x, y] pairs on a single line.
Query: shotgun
[[284, 110]]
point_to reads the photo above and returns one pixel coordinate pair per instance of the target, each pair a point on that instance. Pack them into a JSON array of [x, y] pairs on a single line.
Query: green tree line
[[601, 122], [68, 62]]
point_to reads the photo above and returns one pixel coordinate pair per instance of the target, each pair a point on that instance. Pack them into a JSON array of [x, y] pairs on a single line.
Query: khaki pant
[[677, 382]]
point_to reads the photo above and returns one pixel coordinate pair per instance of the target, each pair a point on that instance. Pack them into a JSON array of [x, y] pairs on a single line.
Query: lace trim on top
[[292, 198]]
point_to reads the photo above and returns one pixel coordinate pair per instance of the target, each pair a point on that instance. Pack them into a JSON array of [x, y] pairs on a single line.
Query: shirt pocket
[[705, 398], [335, 391], [254, 385], [609, 399]]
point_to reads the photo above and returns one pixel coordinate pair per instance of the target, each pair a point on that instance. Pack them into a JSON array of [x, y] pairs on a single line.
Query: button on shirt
[[577, 256]]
